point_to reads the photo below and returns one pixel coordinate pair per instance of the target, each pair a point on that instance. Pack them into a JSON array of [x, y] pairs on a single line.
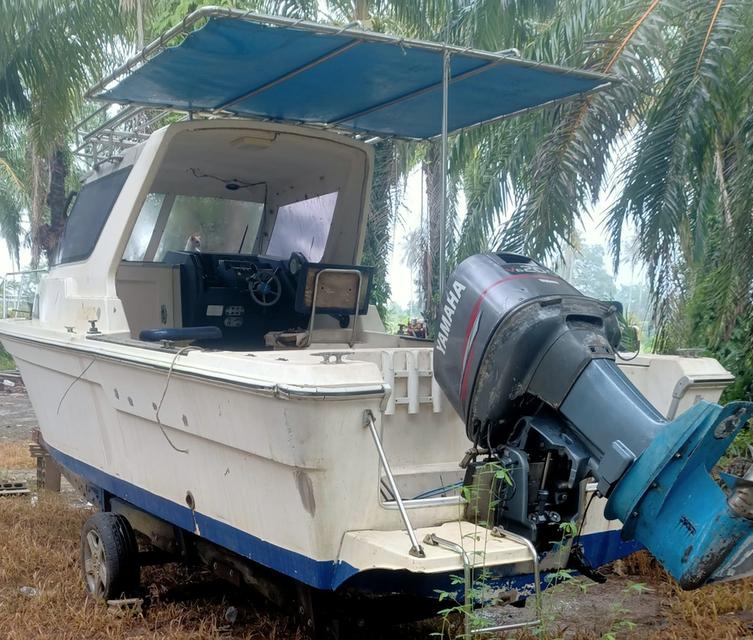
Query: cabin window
[[142, 232], [88, 216], [223, 226], [303, 226], [166, 222]]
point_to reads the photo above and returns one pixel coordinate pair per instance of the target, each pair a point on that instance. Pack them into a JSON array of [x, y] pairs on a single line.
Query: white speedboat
[[204, 359]]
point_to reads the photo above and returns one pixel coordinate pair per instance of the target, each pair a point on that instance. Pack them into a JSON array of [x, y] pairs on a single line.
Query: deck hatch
[[292, 71]]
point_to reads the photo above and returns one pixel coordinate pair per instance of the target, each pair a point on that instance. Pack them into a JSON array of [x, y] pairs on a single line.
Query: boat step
[[382, 549]]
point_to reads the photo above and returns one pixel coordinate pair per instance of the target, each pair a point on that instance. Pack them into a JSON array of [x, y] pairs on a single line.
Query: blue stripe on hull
[[599, 548], [607, 546], [322, 574]]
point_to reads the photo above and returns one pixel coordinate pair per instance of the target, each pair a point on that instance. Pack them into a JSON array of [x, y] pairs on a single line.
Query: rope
[[180, 352], [70, 386]]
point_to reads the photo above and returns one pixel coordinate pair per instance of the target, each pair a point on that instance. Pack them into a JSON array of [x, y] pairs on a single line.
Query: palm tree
[[13, 191], [680, 131], [50, 50]]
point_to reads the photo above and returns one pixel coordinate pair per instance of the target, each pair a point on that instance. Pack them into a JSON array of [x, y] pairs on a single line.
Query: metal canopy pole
[[443, 210]]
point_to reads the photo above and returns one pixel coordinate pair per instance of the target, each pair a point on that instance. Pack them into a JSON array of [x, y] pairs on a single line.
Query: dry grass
[[40, 549], [40, 546], [15, 455], [720, 611]]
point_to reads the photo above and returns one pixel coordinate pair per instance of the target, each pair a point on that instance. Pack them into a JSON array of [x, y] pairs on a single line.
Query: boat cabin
[[237, 232], [242, 226]]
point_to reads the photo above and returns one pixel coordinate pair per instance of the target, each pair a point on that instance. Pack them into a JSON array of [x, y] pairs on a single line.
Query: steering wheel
[[265, 287]]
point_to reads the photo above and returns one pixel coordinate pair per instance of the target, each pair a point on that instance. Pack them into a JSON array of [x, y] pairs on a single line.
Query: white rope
[[70, 386], [180, 352]]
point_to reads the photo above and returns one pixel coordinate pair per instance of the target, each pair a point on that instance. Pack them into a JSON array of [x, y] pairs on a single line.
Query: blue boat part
[[670, 503], [600, 548], [358, 81]]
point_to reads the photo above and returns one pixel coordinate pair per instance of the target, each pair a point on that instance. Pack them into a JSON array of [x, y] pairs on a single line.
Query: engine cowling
[[528, 362]]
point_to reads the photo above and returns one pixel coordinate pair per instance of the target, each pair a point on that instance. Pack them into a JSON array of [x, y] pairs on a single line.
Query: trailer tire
[[109, 556]]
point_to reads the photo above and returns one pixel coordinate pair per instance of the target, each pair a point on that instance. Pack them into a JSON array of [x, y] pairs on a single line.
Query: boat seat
[[183, 334]]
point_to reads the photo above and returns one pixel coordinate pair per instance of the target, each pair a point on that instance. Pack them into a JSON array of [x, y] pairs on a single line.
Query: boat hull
[[285, 480]]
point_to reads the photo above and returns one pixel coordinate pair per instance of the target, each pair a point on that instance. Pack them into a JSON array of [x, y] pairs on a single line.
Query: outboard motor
[[529, 364]]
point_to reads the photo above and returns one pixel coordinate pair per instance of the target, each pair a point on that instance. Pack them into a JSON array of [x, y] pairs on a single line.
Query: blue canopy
[[350, 79]]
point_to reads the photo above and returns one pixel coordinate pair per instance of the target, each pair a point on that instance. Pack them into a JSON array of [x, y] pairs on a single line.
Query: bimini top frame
[[245, 64], [367, 84]]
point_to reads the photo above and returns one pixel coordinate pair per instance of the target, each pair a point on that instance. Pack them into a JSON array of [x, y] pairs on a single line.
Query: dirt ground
[[42, 593], [16, 415]]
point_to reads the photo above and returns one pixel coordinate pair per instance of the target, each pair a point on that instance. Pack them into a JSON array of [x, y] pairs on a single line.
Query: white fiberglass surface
[[253, 192]]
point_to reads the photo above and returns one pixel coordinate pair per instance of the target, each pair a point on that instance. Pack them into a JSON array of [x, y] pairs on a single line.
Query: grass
[[720, 611], [15, 455], [6, 362], [39, 548]]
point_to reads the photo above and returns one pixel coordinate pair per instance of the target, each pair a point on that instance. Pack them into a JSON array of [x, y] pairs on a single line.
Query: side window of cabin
[[303, 226], [142, 232], [88, 216]]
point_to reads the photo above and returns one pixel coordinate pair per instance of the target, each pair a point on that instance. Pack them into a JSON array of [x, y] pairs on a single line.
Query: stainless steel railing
[[416, 549], [20, 294]]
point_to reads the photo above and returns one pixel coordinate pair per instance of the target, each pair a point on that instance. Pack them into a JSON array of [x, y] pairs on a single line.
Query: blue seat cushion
[[182, 334]]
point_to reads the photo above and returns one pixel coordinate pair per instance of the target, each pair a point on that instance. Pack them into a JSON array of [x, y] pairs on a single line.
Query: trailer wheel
[[109, 556]]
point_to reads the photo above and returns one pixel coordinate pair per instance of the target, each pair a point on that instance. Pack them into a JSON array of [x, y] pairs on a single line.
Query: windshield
[[193, 223]]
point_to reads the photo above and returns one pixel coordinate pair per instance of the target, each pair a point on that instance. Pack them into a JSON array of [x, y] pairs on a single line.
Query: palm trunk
[[433, 171], [56, 200], [361, 10], [40, 180], [378, 242]]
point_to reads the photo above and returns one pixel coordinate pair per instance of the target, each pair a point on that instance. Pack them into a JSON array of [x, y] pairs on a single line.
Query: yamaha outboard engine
[[529, 363]]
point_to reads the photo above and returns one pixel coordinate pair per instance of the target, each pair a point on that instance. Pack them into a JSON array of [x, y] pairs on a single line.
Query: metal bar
[[443, 211], [159, 227], [419, 503], [535, 107], [416, 549], [468, 605], [5, 286], [503, 533], [381, 135], [115, 133], [151, 121], [506, 627], [288, 75], [24, 273], [436, 541], [357, 310], [124, 114], [94, 114], [182, 27]]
